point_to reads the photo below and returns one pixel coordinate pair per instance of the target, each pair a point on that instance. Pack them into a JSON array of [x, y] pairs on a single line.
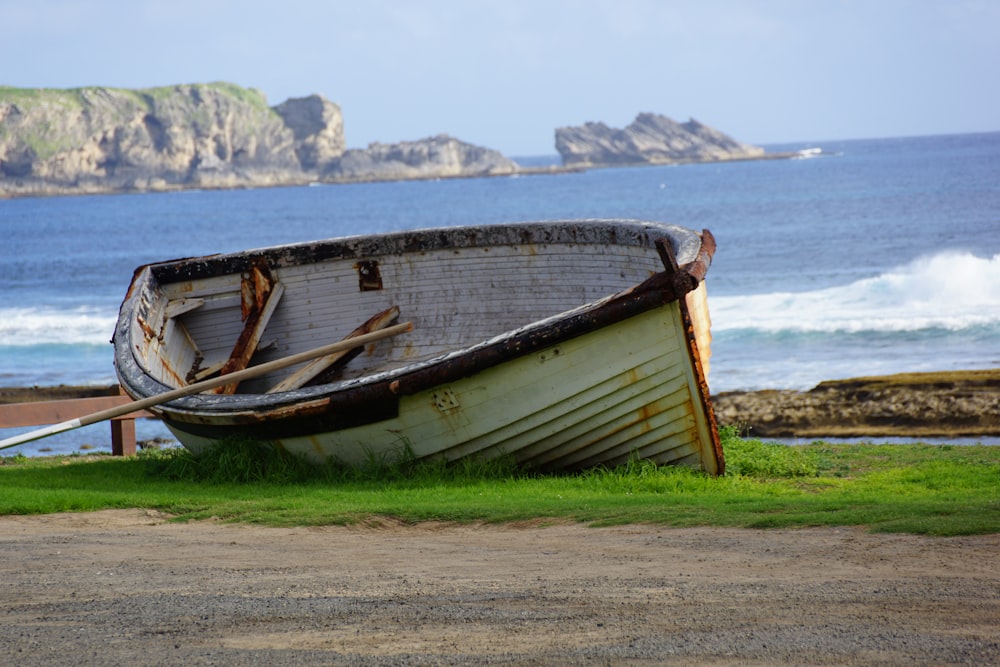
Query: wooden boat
[[564, 345]]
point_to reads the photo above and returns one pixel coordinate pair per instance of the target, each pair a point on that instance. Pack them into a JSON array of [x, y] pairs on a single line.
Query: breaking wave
[[47, 326], [950, 291]]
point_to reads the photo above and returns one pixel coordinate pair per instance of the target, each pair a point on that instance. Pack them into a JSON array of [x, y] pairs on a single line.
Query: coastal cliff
[[219, 135], [649, 139]]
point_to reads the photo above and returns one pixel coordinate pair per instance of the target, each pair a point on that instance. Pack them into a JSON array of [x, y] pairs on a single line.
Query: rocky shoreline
[[954, 404]]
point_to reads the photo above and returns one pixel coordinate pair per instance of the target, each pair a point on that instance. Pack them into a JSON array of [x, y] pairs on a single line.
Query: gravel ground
[[128, 588]]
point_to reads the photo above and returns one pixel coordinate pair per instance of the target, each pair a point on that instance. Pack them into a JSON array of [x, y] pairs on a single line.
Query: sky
[[506, 73]]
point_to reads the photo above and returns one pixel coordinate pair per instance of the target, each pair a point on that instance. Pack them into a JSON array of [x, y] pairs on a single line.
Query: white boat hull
[[569, 353]]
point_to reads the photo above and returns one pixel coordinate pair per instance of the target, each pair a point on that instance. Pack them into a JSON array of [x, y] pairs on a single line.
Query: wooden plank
[[123, 437], [202, 288], [52, 412], [701, 322], [180, 306], [180, 355], [317, 366], [209, 371], [250, 338], [122, 434]]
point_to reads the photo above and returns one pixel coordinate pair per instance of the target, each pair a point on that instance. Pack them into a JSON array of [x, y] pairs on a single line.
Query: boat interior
[[268, 305]]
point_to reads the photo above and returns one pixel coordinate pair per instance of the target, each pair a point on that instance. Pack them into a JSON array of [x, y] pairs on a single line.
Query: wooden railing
[[41, 413]]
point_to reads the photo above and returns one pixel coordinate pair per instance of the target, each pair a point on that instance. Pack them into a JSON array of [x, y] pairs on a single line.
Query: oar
[[197, 387]]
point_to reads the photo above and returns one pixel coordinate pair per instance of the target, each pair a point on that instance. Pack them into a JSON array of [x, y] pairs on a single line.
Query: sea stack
[[649, 139]]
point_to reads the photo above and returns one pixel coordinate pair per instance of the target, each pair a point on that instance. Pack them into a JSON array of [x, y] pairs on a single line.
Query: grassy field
[[937, 490]]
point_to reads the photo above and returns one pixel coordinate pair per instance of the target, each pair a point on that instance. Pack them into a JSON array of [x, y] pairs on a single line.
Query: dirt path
[[125, 587]]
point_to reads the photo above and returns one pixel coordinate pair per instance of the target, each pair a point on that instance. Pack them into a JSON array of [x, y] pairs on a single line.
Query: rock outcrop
[[105, 140], [219, 135], [318, 128], [437, 157], [649, 139], [914, 405]]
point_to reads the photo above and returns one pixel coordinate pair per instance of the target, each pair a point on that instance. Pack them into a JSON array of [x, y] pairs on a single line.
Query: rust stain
[[647, 412], [147, 331], [255, 287], [641, 415], [318, 447], [179, 380], [704, 395], [279, 413]]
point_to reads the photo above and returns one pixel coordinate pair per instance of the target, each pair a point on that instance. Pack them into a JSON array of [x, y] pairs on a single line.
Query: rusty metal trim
[[704, 393]]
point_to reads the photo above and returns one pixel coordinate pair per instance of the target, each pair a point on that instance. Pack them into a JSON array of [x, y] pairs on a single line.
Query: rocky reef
[[914, 405], [219, 135], [649, 139]]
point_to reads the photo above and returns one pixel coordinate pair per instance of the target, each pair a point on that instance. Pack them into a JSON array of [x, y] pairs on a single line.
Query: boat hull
[[565, 407], [621, 376]]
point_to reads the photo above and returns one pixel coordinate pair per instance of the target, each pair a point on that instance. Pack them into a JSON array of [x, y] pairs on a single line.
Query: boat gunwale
[[623, 232]]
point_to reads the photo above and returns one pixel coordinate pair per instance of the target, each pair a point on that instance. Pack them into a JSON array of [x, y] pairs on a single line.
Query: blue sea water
[[868, 257]]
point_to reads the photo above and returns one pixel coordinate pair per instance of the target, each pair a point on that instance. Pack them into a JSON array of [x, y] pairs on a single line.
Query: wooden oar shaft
[[211, 383]]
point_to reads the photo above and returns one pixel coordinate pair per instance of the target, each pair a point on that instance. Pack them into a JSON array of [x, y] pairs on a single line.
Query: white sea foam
[[51, 326], [950, 290]]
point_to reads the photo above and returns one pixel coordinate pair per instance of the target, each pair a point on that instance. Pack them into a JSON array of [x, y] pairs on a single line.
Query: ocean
[[859, 257]]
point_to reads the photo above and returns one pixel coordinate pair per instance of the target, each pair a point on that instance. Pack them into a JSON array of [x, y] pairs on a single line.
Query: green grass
[[937, 490]]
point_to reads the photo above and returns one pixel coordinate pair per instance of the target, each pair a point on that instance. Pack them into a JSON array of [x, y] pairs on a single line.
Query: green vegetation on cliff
[[81, 97], [54, 130]]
